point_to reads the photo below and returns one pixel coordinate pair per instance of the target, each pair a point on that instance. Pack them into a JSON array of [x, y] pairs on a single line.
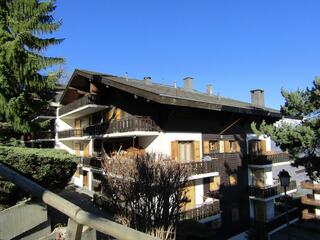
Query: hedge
[[51, 168]]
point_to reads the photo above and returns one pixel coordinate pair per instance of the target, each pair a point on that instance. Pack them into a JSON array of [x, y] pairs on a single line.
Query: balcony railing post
[[74, 230]]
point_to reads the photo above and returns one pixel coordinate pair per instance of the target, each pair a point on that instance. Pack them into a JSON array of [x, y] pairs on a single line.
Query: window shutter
[[174, 150], [77, 149], [86, 150], [263, 146], [196, 150], [190, 193], [215, 183], [206, 147], [78, 123], [226, 146], [233, 179], [93, 88], [118, 114]]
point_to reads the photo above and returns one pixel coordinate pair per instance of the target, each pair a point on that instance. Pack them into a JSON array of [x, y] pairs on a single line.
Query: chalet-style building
[[234, 183]]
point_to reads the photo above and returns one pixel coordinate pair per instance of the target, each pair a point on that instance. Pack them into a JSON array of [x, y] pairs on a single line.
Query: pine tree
[[302, 139], [25, 86]]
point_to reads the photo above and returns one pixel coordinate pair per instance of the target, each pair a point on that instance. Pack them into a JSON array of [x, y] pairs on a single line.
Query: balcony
[[310, 200], [271, 191], [83, 106], [268, 158], [71, 133], [310, 185], [204, 211], [306, 215], [136, 123], [91, 162], [263, 228], [202, 167], [39, 136]]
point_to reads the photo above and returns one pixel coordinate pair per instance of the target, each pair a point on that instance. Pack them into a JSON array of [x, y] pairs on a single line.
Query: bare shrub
[[146, 190]]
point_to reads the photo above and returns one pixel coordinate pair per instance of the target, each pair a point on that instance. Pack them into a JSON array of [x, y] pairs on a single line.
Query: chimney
[[175, 84], [209, 89], [147, 80], [257, 97], [188, 83]]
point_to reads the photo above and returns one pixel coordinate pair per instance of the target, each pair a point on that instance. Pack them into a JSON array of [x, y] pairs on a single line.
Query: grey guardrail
[[77, 216]]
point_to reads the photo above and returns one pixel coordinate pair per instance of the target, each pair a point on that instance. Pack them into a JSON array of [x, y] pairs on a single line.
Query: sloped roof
[[165, 94]]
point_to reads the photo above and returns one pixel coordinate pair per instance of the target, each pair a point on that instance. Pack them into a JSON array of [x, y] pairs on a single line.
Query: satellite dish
[[207, 158]]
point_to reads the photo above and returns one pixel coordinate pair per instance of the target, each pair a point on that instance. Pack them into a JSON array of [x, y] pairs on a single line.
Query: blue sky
[[234, 45]]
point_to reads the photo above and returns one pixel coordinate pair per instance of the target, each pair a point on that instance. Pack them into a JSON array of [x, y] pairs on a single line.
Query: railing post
[[74, 230]]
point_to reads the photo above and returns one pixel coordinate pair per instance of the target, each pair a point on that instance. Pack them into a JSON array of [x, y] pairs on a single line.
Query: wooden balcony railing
[[268, 158], [263, 228], [201, 212], [77, 216], [72, 133], [201, 167], [271, 191], [83, 101], [136, 123], [310, 185], [310, 200]]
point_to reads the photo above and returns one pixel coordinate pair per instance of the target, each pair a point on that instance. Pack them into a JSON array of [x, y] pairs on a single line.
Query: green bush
[[51, 168]]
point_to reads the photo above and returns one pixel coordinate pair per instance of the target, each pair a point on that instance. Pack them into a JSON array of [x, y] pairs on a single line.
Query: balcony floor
[[83, 111]]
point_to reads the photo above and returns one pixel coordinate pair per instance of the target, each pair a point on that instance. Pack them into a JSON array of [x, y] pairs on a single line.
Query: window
[[214, 146], [235, 214], [234, 146], [96, 176], [211, 147], [185, 152], [257, 146], [233, 179]]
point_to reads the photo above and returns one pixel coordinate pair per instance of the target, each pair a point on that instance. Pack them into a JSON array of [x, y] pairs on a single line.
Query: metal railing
[[204, 211], [91, 162], [85, 100], [77, 217], [270, 158], [263, 228], [267, 192], [201, 167], [39, 135], [72, 133]]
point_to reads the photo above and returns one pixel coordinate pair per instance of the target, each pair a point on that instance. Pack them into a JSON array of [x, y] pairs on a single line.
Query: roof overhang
[[185, 102]]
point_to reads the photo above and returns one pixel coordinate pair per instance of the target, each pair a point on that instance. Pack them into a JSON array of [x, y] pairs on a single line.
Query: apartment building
[[232, 186]]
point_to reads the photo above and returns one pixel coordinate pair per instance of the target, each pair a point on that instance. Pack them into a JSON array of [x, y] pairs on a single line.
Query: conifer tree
[[301, 138], [25, 86]]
